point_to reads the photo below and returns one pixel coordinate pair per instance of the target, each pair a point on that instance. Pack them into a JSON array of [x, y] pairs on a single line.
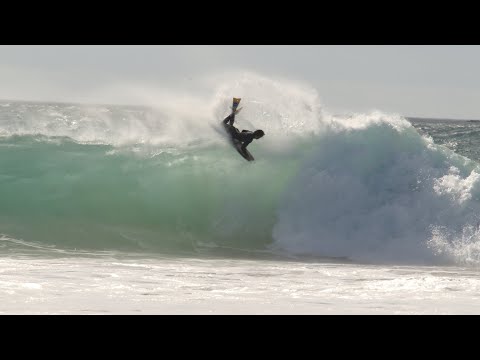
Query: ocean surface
[[108, 209]]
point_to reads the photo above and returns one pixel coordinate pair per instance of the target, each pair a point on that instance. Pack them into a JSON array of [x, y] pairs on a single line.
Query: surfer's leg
[[229, 119], [232, 130]]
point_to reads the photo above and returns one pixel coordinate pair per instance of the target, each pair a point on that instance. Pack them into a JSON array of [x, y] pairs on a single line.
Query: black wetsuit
[[246, 137]]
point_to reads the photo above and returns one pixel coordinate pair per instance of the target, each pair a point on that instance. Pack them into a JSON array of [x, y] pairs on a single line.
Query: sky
[[414, 81]]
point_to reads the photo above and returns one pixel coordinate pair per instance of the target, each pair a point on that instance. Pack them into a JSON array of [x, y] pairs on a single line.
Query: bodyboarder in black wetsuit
[[245, 137]]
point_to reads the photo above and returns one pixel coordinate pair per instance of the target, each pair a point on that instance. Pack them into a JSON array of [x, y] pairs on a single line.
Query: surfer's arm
[[245, 144]]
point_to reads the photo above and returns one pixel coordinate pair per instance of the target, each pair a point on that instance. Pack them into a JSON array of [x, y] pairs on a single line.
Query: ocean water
[[108, 209]]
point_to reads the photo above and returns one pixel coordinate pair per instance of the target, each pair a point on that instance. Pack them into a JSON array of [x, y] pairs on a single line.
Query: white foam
[[373, 189]]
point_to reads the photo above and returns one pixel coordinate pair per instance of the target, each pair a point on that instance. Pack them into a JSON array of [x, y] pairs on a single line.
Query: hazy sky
[[421, 80]]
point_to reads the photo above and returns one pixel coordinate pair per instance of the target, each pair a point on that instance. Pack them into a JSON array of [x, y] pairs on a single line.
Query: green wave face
[[58, 192]]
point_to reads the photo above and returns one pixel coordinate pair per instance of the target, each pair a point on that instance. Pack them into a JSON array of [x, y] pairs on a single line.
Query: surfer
[[245, 137]]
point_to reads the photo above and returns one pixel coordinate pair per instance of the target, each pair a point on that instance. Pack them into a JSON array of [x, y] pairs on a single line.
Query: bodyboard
[[237, 144]]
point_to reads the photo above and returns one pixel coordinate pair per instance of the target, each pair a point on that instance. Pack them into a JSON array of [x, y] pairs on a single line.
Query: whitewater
[[148, 209]]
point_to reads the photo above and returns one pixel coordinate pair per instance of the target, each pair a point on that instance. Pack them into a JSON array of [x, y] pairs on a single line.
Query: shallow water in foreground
[[162, 285]]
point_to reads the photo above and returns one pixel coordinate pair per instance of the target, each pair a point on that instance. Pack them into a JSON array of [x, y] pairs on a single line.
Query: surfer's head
[[258, 134]]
